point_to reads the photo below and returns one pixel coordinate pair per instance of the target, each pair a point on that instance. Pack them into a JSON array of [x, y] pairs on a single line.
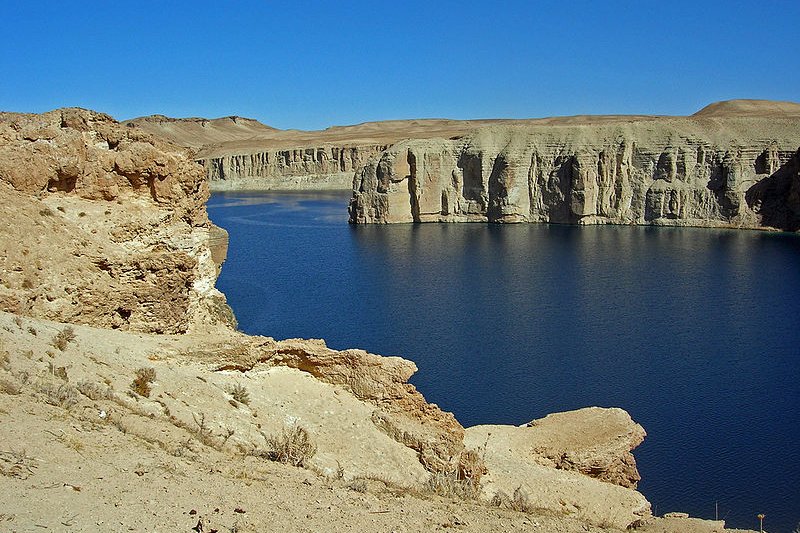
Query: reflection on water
[[693, 331]]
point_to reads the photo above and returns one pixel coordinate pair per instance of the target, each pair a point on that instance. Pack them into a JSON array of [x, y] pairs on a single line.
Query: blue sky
[[313, 64]]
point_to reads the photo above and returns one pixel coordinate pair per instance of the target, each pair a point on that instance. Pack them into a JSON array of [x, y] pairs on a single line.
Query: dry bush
[[58, 371], [16, 464], [202, 431], [518, 502], [141, 383], [460, 480], [239, 393], [293, 446], [92, 390], [63, 338], [448, 485], [62, 395], [359, 485], [5, 361]]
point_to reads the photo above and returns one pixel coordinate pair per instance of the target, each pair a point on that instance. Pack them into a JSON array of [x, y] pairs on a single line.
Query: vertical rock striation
[[319, 167], [737, 172]]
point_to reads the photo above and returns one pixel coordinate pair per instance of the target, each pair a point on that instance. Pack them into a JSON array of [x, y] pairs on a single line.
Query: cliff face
[[319, 167], [104, 225], [733, 171]]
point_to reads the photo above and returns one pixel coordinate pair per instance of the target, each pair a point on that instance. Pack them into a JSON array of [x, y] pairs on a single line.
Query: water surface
[[695, 332]]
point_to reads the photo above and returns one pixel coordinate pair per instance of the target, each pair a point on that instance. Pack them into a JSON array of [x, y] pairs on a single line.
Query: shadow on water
[[693, 331]]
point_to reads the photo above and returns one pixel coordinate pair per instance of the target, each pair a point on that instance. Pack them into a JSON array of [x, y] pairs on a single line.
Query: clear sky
[[312, 64]]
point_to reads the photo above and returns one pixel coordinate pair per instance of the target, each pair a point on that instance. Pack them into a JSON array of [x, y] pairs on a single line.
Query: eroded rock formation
[[319, 167], [105, 225], [733, 171]]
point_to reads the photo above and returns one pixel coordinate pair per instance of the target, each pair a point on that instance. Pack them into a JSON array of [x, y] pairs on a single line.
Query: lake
[[694, 331]]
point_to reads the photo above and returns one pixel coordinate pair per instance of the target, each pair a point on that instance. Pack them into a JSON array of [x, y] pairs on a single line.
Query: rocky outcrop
[[104, 225], [732, 171], [594, 442], [400, 410], [321, 167]]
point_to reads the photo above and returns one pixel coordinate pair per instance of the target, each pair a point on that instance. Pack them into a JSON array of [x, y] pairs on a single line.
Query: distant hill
[[749, 108], [197, 132]]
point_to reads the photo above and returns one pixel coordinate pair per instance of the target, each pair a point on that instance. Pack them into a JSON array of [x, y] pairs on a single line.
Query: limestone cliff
[[720, 171], [319, 167], [242, 153], [104, 225]]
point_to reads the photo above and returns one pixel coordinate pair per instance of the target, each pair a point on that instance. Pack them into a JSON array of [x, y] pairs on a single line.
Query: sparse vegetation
[[63, 338], [58, 371], [46, 212], [202, 431], [16, 464], [62, 395], [359, 485], [141, 383], [520, 501], [460, 480], [92, 390], [293, 446], [239, 393]]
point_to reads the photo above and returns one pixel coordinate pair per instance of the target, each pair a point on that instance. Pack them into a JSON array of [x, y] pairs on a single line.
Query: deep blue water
[[695, 332]]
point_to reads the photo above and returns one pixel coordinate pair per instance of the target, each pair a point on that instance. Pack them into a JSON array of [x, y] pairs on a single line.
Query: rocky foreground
[[129, 402]]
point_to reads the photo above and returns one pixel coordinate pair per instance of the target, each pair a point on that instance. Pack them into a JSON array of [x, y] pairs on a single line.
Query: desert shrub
[[448, 485], [63, 338], [58, 371], [359, 485], [239, 393], [46, 212], [5, 360], [293, 446], [518, 502], [16, 464], [61, 395], [461, 479], [92, 390], [141, 383]]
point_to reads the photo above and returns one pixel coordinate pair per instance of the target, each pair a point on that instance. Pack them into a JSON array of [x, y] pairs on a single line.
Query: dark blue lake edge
[[694, 331]]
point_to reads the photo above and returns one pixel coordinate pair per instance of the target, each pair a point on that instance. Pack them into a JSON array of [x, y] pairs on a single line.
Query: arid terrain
[[623, 169], [128, 400]]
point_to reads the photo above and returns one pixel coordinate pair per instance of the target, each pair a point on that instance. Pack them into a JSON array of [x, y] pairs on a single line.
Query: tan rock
[[104, 225], [578, 462], [593, 441], [400, 410], [731, 171]]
